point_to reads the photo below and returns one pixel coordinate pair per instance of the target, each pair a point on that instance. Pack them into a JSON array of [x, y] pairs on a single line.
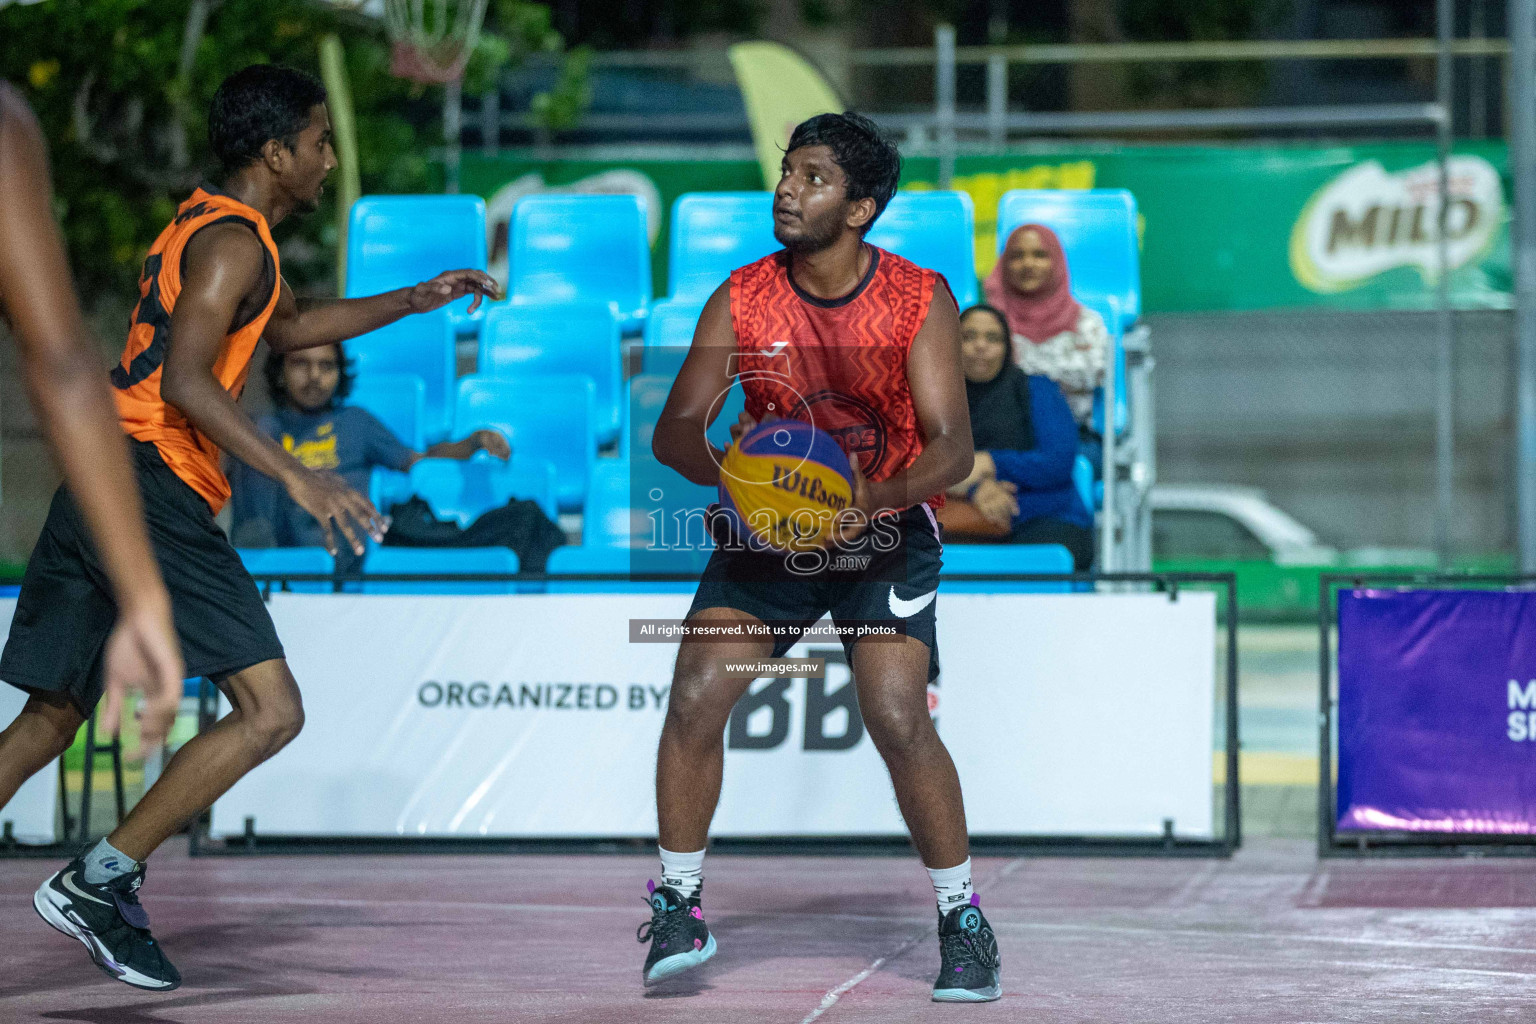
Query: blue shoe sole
[[680, 962], [968, 995]]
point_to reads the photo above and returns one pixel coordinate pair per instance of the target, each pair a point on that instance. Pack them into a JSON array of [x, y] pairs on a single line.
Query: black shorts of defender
[[889, 577], [65, 611]]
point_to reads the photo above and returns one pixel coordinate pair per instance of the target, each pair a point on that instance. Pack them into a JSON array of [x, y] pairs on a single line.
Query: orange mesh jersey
[[143, 413], [840, 364]]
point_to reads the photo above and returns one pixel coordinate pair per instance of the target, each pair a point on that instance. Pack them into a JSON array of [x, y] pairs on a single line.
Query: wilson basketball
[[784, 484]]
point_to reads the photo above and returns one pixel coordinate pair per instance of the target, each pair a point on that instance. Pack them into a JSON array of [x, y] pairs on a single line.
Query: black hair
[[258, 104], [1002, 321], [273, 368], [870, 161]]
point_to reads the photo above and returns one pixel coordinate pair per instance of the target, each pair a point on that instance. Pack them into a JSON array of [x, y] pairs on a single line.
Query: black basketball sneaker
[[679, 938], [970, 969], [111, 923]]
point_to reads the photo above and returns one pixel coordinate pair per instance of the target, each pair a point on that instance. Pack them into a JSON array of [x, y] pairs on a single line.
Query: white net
[[432, 39]]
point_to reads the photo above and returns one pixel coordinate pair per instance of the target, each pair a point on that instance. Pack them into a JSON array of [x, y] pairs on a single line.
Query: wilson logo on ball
[[784, 484]]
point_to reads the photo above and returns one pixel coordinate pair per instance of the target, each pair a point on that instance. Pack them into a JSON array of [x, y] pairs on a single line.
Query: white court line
[[830, 999]]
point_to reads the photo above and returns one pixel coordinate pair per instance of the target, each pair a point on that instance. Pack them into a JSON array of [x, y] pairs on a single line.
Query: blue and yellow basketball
[[784, 484]]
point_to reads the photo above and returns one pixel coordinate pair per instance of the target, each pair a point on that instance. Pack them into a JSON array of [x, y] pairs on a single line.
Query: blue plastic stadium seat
[[386, 487], [934, 230], [1082, 481], [1097, 228], [422, 345], [442, 561], [713, 233], [545, 417], [394, 241], [467, 489], [276, 561], [668, 336], [398, 400], [1108, 308], [606, 521], [582, 248], [647, 396], [579, 337], [1003, 558]]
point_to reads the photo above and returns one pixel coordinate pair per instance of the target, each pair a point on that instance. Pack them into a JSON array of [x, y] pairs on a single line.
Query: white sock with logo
[[682, 871], [952, 886], [105, 862]]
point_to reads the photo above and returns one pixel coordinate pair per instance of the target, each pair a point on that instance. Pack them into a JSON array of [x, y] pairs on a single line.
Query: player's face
[[313, 159], [310, 376], [810, 205], [1029, 263], [983, 346]]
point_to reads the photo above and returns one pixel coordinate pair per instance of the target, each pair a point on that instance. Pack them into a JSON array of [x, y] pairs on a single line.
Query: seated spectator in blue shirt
[[308, 419], [1020, 488]]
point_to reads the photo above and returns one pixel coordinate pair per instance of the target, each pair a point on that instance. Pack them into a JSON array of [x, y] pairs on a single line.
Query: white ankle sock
[[684, 871], [952, 886], [105, 862]]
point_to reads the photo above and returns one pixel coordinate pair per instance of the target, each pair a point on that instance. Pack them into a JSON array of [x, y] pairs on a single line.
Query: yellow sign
[[780, 90]]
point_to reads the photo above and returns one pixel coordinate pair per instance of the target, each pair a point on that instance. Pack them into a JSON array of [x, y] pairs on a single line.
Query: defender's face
[[310, 376], [313, 160], [983, 346], [810, 205], [1028, 262]]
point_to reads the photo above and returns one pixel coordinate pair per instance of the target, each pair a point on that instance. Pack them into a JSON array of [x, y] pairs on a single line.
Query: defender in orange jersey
[[212, 287], [865, 345]]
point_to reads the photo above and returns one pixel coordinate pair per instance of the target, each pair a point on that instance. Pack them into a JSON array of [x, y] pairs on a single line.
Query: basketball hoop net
[[431, 40]]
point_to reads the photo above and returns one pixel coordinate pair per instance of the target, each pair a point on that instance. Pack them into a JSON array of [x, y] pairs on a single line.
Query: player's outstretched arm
[[330, 322], [938, 398], [697, 395], [64, 378], [224, 262]]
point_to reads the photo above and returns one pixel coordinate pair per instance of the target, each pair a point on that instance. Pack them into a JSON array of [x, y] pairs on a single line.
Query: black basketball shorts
[[66, 610], [889, 576]]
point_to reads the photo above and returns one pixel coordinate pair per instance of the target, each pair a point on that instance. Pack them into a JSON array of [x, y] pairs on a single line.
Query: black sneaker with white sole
[[677, 933], [110, 922], [970, 968]]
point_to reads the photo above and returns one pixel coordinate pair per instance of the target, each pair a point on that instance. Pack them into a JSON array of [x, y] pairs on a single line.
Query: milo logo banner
[[1369, 220], [1222, 227]]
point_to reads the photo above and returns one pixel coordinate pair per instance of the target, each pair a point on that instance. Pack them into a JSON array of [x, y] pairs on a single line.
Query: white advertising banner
[[32, 810], [535, 716]]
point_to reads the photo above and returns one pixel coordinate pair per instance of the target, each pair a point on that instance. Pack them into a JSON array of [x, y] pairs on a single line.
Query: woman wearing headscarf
[[1053, 333], [1020, 488]]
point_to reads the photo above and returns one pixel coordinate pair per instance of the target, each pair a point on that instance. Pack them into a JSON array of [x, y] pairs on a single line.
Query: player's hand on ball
[[454, 284], [143, 654], [848, 526], [745, 424], [336, 506]]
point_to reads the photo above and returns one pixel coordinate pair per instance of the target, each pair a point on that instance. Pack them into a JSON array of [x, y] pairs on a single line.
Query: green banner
[[1223, 227]]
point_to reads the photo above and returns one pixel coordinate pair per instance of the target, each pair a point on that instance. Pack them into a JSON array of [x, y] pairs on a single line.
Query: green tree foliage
[[128, 131]]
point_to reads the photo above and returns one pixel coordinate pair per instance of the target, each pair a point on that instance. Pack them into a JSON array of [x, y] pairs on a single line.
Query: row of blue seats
[[449, 562], [570, 330], [549, 421], [584, 248]]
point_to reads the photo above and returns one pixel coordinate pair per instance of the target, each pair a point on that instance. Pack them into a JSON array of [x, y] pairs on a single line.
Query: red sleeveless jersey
[[838, 364]]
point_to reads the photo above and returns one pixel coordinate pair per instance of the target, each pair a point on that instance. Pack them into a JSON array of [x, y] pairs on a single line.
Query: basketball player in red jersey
[[211, 288], [873, 349]]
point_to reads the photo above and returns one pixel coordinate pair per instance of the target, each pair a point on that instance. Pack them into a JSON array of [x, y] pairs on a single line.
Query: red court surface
[[1271, 935]]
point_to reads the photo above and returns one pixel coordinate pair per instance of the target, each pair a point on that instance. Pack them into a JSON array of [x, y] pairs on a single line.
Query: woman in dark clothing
[[1020, 490]]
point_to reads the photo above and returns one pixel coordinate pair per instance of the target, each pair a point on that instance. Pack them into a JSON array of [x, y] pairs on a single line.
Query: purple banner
[[1437, 711]]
